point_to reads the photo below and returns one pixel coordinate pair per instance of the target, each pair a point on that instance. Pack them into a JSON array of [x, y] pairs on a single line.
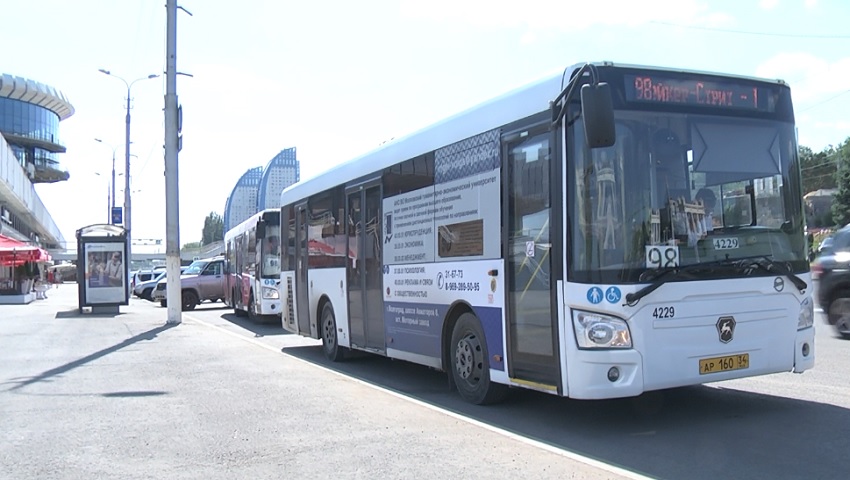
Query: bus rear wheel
[[470, 367], [330, 340]]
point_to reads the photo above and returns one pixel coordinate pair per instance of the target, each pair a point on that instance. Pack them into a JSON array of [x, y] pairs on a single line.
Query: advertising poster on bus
[[105, 273], [442, 243]]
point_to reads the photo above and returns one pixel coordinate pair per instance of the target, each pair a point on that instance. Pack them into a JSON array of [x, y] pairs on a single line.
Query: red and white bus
[[252, 265]]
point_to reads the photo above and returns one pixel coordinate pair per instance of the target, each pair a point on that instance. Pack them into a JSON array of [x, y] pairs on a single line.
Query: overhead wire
[[817, 36], [813, 36]]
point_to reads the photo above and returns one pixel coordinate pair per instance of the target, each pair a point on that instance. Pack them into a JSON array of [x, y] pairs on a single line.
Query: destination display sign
[[709, 93]]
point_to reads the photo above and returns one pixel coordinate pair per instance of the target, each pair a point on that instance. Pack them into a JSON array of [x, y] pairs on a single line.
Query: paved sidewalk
[[125, 396]]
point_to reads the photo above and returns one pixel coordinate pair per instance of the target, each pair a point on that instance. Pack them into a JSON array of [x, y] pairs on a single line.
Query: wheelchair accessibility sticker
[[613, 295]]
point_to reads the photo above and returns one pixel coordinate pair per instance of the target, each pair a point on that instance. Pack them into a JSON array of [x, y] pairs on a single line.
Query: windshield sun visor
[[726, 152]]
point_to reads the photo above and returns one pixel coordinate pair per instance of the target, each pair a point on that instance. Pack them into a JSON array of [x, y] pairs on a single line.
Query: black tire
[[190, 300], [146, 294], [470, 363], [236, 310], [330, 340], [839, 314], [252, 309], [163, 303]]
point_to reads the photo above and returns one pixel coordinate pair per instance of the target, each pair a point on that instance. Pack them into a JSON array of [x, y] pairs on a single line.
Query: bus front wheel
[[330, 340], [236, 310], [470, 367]]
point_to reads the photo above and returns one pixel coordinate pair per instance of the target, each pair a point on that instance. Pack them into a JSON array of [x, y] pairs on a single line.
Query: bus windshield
[[679, 189], [271, 254]]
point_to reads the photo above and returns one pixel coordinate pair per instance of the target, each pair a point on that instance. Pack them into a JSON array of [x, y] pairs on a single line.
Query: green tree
[[841, 200], [213, 229], [818, 169], [192, 246]]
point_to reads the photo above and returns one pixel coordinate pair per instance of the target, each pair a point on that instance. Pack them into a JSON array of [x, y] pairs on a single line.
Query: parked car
[[145, 289], [202, 280], [831, 272], [146, 275]]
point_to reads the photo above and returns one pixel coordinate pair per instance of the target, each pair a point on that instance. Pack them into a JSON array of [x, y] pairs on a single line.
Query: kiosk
[[103, 269]]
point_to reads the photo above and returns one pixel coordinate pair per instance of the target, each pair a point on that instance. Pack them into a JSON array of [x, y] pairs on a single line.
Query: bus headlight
[[807, 314], [595, 330], [270, 293]]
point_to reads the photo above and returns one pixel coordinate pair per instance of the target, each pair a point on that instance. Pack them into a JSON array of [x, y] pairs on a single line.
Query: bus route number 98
[[662, 256]]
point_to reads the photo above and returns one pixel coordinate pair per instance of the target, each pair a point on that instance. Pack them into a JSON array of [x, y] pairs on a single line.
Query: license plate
[[724, 364]]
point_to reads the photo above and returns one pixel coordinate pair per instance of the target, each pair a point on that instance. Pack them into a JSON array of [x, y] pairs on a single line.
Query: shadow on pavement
[[75, 313], [264, 329], [151, 393], [698, 432], [149, 335]]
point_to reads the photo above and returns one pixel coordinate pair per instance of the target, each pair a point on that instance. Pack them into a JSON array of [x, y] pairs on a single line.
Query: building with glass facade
[[281, 171], [30, 113], [242, 202], [259, 188]]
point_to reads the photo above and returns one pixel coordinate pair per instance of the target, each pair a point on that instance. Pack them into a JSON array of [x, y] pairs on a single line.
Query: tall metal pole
[[173, 292], [126, 160], [112, 202], [127, 224], [110, 198]]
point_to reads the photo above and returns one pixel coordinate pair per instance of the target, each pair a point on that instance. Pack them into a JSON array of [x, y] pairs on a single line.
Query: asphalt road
[[220, 397], [125, 396], [782, 426]]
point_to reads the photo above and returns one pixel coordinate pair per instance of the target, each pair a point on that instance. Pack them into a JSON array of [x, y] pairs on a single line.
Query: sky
[[337, 78]]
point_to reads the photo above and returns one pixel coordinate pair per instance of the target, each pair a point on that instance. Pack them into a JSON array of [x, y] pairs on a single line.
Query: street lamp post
[[127, 224], [108, 201], [112, 197]]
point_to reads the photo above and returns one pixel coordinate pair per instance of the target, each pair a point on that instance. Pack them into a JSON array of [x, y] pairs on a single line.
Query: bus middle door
[[365, 274], [302, 253]]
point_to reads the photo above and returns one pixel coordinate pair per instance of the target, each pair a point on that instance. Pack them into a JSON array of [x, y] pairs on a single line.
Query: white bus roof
[[514, 105], [245, 224]]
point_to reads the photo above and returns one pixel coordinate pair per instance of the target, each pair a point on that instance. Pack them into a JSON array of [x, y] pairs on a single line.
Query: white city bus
[[252, 266], [590, 246]]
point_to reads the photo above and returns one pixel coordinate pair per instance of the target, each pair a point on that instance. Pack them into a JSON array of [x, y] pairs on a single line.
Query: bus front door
[[530, 255], [301, 259], [365, 277]]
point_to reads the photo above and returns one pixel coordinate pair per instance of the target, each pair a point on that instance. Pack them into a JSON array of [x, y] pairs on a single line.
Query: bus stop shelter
[[102, 268]]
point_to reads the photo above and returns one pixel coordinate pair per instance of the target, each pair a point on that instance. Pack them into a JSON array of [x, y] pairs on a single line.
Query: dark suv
[[831, 273]]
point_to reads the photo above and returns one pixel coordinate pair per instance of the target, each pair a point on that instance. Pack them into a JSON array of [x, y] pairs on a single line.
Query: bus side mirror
[[261, 230], [597, 111]]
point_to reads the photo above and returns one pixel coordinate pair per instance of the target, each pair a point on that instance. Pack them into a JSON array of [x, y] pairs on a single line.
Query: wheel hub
[[328, 332], [465, 356]]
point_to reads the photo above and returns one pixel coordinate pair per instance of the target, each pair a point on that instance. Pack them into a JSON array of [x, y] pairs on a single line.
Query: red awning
[[14, 252]]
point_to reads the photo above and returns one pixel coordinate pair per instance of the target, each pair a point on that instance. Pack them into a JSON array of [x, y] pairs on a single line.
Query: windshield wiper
[[661, 277], [772, 266]]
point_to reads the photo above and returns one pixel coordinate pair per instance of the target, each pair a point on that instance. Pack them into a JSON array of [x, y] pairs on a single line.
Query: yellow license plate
[[724, 364]]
